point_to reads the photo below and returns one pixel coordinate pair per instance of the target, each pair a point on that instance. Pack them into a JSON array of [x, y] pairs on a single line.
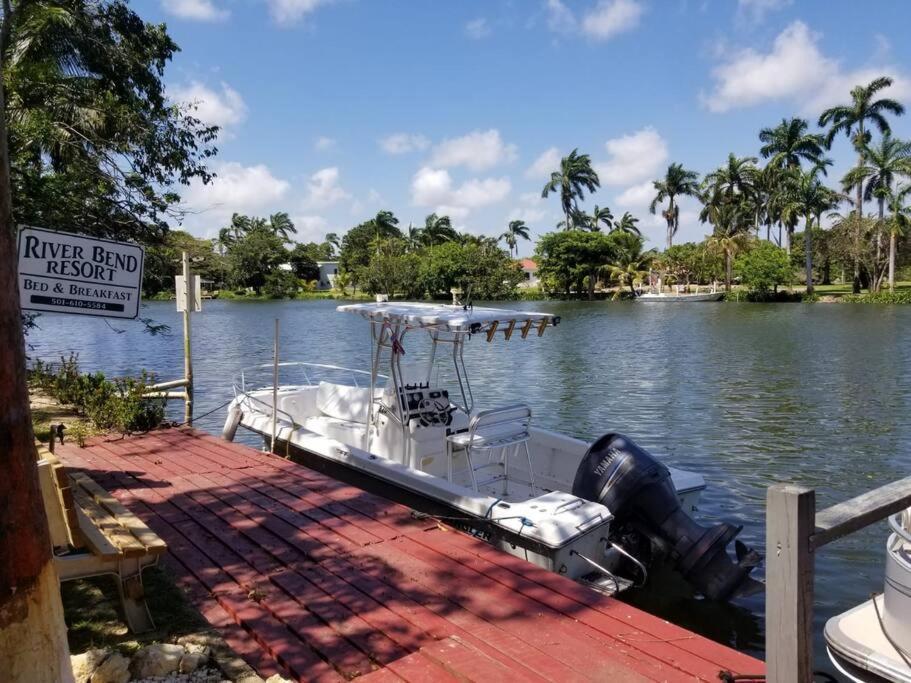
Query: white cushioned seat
[[344, 402], [350, 433]]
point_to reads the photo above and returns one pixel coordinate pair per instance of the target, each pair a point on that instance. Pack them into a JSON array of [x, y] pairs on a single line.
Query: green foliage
[[117, 405], [303, 260], [392, 270], [566, 260], [768, 297], [358, 245], [480, 269], [763, 267], [692, 263], [280, 284], [254, 256], [162, 262], [95, 145], [899, 297]]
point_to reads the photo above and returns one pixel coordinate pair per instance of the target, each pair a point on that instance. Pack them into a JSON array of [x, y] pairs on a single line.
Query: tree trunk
[[808, 250], [859, 208], [671, 222], [787, 236], [891, 260], [728, 271], [33, 643]]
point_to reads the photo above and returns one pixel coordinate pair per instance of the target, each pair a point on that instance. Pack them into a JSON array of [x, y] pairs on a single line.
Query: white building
[[530, 270], [327, 272]]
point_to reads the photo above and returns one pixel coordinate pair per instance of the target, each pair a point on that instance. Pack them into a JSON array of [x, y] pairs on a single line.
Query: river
[[746, 394]]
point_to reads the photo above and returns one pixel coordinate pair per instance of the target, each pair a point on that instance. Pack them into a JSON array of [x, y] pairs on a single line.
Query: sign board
[[195, 295], [63, 272]]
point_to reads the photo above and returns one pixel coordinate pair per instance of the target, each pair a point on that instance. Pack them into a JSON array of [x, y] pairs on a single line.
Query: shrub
[[900, 297], [763, 267], [117, 405]]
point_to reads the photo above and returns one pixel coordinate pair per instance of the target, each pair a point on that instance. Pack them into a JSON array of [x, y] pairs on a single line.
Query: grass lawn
[[843, 289]]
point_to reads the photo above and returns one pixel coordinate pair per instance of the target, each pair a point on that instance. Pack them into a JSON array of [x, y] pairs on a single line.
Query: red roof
[[528, 264]]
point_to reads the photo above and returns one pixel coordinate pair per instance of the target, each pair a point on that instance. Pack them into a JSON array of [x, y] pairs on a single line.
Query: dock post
[[274, 387], [790, 522], [187, 356]]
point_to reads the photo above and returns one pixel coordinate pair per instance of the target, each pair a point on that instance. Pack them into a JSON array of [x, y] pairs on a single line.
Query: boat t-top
[[600, 512]]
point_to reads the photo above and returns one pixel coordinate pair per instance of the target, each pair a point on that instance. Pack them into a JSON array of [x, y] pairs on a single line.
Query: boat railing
[[795, 531], [305, 374]]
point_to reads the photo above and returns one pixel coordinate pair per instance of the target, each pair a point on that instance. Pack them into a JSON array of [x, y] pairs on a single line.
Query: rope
[[199, 417]]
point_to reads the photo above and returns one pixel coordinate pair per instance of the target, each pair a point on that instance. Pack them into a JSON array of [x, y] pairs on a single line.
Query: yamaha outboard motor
[[638, 491]]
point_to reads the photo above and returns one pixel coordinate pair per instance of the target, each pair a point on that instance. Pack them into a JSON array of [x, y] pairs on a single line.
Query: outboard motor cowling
[[638, 491]]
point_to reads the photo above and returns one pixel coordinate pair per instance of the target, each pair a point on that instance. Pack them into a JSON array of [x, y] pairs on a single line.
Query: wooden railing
[[794, 532]]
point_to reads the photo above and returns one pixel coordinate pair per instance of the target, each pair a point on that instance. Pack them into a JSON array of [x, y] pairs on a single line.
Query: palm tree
[[677, 182], [730, 220], [808, 198], [630, 263], [851, 119], [413, 237], [437, 229], [574, 177], [385, 224], [737, 179], [280, 225], [333, 240], [514, 231], [626, 224], [598, 216], [899, 225], [789, 143]]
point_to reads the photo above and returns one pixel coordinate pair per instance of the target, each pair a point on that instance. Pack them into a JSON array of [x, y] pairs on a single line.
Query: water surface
[[747, 394]]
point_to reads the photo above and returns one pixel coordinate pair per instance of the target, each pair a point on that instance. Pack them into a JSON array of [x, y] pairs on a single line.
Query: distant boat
[[706, 296]]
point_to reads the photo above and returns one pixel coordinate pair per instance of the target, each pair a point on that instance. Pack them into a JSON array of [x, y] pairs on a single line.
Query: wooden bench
[[93, 534]]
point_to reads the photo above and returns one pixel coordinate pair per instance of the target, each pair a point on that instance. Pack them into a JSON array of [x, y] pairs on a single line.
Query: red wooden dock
[[315, 579]]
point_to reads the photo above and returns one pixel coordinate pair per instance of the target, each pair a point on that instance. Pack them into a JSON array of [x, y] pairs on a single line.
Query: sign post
[[60, 272]]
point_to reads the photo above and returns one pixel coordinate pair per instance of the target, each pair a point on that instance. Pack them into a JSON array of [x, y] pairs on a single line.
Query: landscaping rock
[[157, 660], [278, 678], [115, 669], [191, 661], [84, 665]]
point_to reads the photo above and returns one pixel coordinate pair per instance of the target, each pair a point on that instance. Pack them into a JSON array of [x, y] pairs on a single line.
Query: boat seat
[[504, 432], [346, 431]]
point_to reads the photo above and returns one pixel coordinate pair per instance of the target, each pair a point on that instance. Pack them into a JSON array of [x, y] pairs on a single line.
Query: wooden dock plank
[[319, 580]]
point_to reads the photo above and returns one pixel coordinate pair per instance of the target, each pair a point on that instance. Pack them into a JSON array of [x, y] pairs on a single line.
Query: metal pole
[[274, 386], [187, 355]]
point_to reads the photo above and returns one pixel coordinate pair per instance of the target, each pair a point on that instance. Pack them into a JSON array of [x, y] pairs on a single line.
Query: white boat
[[872, 642], [602, 511], [676, 298]]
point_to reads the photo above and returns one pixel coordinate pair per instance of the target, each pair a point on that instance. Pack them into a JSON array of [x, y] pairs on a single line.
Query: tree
[[572, 179], [737, 179], [598, 216], [436, 230], [629, 262], [567, 259], [789, 143], [334, 243], [730, 219], [303, 261], [514, 231], [899, 225], [808, 198], [626, 224], [763, 267], [677, 182], [480, 269], [852, 120], [254, 257], [162, 262], [96, 145], [281, 226], [360, 241]]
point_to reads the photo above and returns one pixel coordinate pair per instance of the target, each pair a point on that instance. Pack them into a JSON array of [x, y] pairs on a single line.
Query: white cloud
[[610, 17], [323, 189], [559, 17], [224, 108], [323, 143], [794, 69], [433, 187], [196, 10], [477, 28], [235, 188], [544, 165], [633, 157], [477, 151], [310, 228], [755, 10], [532, 208], [636, 197], [291, 11], [402, 143]]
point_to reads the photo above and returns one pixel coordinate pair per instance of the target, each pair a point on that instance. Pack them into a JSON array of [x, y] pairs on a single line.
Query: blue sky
[[334, 109]]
